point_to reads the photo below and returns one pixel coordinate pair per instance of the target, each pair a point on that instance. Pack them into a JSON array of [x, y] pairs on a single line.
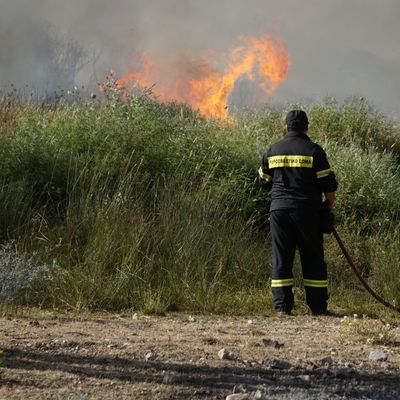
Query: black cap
[[297, 120]]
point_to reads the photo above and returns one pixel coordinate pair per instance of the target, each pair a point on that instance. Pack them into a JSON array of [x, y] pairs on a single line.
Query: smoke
[[337, 47]]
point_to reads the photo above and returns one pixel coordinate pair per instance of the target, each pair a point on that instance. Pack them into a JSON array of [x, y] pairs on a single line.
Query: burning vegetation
[[206, 84]]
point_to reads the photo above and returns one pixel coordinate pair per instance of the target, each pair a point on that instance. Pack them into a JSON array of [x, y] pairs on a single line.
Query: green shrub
[[153, 207]]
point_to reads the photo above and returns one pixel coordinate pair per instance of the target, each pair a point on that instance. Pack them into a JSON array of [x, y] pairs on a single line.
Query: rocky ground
[[200, 357]]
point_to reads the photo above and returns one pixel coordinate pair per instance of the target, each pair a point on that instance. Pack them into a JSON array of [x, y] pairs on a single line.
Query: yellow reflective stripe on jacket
[[282, 282], [315, 283], [323, 173], [290, 161], [264, 176]]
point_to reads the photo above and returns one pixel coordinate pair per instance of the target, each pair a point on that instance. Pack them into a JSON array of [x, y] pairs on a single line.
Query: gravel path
[[180, 357]]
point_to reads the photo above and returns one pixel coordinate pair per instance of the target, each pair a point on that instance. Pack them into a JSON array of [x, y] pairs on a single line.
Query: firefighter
[[298, 172]]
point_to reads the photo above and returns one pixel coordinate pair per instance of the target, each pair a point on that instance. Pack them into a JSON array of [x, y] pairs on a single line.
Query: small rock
[[272, 343], [342, 372], [275, 363], [305, 378], [225, 354], [150, 356], [239, 388], [378, 356], [250, 322], [348, 364], [257, 395], [238, 396], [325, 361], [170, 377]]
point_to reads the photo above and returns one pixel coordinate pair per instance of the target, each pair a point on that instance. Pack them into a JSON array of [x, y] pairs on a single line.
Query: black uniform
[[298, 172]]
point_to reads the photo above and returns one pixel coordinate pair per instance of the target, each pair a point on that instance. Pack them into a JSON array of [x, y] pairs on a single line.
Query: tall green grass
[[148, 206]]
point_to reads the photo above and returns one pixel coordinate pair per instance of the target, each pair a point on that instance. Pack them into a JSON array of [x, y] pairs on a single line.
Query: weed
[[19, 274], [368, 331]]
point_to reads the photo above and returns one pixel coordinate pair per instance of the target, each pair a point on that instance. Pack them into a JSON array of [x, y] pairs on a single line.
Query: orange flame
[[203, 87]]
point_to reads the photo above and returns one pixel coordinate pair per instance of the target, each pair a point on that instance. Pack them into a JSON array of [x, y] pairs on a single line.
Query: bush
[[150, 206], [20, 276]]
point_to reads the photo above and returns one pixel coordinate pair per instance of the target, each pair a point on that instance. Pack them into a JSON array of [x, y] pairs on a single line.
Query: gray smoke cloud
[[337, 47]]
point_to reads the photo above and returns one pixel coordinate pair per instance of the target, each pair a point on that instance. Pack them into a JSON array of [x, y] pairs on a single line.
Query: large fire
[[206, 86]]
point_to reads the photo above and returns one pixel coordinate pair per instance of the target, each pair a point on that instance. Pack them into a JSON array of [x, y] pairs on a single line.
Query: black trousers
[[298, 228]]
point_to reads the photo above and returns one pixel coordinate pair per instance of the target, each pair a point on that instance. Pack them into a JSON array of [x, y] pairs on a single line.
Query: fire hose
[[357, 273]]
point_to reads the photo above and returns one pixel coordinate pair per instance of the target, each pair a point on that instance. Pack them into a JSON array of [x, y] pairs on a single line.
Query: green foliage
[[354, 122], [369, 188], [150, 206]]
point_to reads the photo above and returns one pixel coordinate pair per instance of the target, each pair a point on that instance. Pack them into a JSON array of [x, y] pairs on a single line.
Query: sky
[[339, 48]]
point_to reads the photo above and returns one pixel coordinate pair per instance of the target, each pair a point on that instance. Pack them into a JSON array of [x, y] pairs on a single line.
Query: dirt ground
[[176, 357]]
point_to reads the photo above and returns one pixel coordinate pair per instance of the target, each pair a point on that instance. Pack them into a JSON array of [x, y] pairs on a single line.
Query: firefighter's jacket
[[298, 172]]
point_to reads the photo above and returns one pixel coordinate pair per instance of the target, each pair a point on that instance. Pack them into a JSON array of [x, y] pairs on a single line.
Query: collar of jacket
[[290, 134]]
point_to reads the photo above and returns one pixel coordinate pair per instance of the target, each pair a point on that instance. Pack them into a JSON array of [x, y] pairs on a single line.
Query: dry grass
[[368, 331]]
